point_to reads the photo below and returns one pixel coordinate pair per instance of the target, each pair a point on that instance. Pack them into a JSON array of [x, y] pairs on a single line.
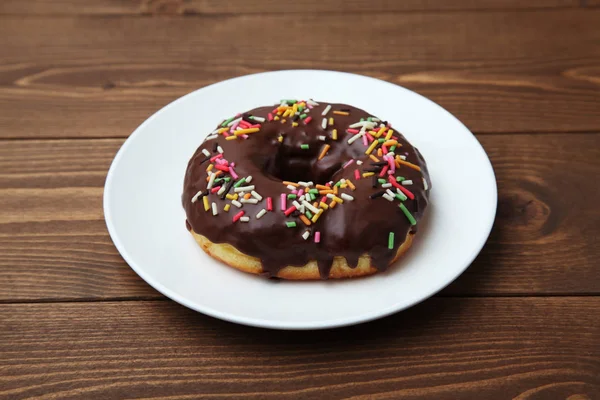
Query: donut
[[305, 190]]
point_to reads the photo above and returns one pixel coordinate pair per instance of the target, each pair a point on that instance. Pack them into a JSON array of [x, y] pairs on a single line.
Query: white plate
[[142, 205]]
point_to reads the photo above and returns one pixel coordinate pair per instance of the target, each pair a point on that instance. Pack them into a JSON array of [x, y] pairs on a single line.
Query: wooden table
[[77, 76]]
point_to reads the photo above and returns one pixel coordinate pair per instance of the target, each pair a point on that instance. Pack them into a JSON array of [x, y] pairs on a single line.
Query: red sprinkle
[[289, 211], [270, 116], [356, 174], [244, 124], [254, 126], [324, 199], [352, 131], [371, 138], [222, 167], [238, 216], [275, 110], [383, 171], [384, 149], [215, 157], [307, 120], [269, 204], [402, 188]]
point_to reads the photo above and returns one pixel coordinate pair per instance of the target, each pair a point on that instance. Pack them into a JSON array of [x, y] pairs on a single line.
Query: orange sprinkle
[[350, 184], [283, 121], [316, 204], [372, 157], [379, 152], [341, 113], [290, 183], [391, 143], [322, 187], [409, 164], [397, 163], [325, 191], [282, 108], [332, 204], [247, 196], [325, 150], [305, 220], [335, 190]]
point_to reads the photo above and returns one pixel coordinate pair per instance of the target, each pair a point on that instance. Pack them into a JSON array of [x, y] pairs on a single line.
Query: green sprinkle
[[399, 178], [308, 214], [313, 197], [300, 108], [290, 224], [401, 196], [292, 196], [219, 180], [370, 119], [303, 116], [362, 119], [315, 191], [338, 184], [227, 179], [304, 147], [381, 140], [290, 102], [381, 180], [393, 148], [224, 124], [408, 214], [391, 241], [239, 183]]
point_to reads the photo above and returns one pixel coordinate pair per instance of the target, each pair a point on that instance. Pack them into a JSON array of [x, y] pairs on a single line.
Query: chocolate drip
[[350, 230]]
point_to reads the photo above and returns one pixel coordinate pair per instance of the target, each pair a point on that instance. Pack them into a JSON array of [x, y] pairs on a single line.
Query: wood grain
[[54, 244], [193, 7], [523, 348], [497, 71]]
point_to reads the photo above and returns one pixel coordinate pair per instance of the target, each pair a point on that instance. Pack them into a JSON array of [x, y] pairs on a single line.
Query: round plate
[[142, 205]]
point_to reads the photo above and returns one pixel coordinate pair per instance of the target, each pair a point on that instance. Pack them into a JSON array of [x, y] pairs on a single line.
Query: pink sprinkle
[[232, 172], [232, 164], [348, 163], [295, 191], [364, 140], [352, 131], [317, 237], [282, 202], [234, 127], [215, 189], [270, 116], [225, 134], [324, 199], [221, 161], [329, 183], [237, 216], [269, 204], [307, 120], [244, 136], [356, 174], [244, 124], [300, 192], [384, 149], [310, 107], [212, 159], [371, 138], [383, 171]]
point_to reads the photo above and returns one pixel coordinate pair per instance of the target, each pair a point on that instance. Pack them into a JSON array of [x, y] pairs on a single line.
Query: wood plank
[[534, 72], [494, 348], [193, 7], [543, 242]]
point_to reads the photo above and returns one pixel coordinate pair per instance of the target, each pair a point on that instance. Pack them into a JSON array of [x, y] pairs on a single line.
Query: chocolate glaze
[[349, 230]]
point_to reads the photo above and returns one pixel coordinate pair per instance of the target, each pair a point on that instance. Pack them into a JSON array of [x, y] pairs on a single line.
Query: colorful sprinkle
[[290, 224], [244, 219], [305, 220], [261, 213], [408, 214], [304, 146], [391, 241], [317, 237], [289, 211], [227, 207], [324, 151], [206, 205], [305, 235]]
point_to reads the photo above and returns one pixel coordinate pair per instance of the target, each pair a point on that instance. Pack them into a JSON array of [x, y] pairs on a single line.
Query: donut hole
[[286, 167]]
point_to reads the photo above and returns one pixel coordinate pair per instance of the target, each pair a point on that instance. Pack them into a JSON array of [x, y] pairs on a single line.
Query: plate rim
[[274, 324]]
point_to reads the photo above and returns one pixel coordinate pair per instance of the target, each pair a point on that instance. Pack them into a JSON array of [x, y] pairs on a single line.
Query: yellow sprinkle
[[330, 121], [245, 131], [209, 168], [229, 196], [226, 208], [282, 108], [341, 113], [335, 190], [389, 134], [287, 113], [323, 205], [337, 199], [223, 130], [372, 157], [231, 137], [305, 220], [380, 131], [343, 186], [334, 134], [316, 217], [332, 204], [372, 147], [294, 124], [295, 109], [280, 139], [205, 201], [276, 118], [349, 182], [283, 121], [368, 174], [325, 150]]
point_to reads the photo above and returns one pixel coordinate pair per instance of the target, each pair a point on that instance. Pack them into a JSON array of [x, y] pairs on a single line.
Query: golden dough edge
[[231, 256]]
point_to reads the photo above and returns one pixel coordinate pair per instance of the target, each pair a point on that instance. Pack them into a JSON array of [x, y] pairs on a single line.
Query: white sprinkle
[[211, 137], [403, 157], [324, 123], [391, 154], [305, 235], [386, 185], [220, 149], [407, 182], [305, 184], [211, 181], [214, 208], [235, 121], [222, 190], [326, 110], [291, 187], [195, 198], [256, 195], [363, 124], [425, 186], [249, 201], [301, 198], [243, 188], [312, 102], [236, 203], [388, 191], [245, 219], [249, 179], [387, 197], [296, 204], [358, 162], [206, 152], [375, 119], [347, 197], [330, 195], [261, 213], [259, 119], [310, 207], [354, 138], [322, 138]]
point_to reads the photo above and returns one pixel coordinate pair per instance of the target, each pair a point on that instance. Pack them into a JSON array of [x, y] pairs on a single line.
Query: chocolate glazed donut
[[302, 184]]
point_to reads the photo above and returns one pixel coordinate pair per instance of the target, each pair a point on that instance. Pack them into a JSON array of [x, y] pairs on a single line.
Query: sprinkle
[[331, 121], [249, 201], [324, 151], [232, 196], [326, 110], [270, 117], [389, 134], [269, 204], [243, 188], [220, 149], [348, 163], [244, 219], [256, 195], [232, 172], [206, 152], [377, 194], [259, 119], [228, 121], [334, 134], [323, 205], [310, 207], [308, 214], [237, 203], [282, 202], [332, 204], [231, 138], [237, 216], [290, 224], [399, 178], [372, 157], [408, 214], [215, 189], [261, 213], [307, 120], [407, 182], [351, 184], [294, 124], [383, 170], [249, 179], [400, 196], [341, 113], [305, 184], [371, 147], [312, 102], [305, 235], [305, 220], [292, 196], [289, 211], [211, 180], [300, 192], [246, 131], [425, 186], [206, 205], [317, 237], [386, 185], [408, 164], [214, 208], [302, 116], [359, 162], [391, 241], [196, 196], [290, 183], [304, 146], [388, 197], [367, 174], [211, 137], [324, 123], [222, 167], [297, 205], [213, 159], [321, 138], [347, 197], [356, 174], [276, 118], [227, 207]]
